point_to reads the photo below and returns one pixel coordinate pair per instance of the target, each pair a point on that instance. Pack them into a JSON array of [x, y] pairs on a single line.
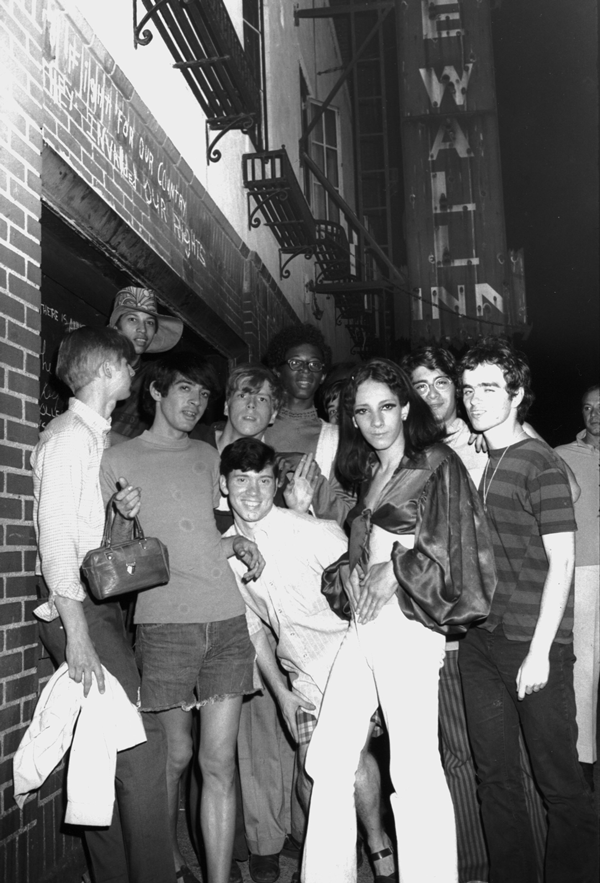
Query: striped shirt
[[528, 497], [68, 512]]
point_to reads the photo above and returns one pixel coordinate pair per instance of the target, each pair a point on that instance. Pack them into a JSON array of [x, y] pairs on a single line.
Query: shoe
[[264, 868], [383, 878], [291, 847], [235, 873]]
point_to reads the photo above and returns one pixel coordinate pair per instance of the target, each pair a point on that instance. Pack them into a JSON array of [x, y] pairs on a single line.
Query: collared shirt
[[584, 460], [287, 596], [68, 512]]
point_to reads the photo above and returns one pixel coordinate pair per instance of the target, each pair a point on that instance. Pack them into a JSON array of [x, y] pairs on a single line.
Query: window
[[252, 14], [324, 150]]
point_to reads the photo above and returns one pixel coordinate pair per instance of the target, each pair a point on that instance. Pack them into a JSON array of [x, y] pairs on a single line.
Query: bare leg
[[177, 725], [219, 723], [368, 806]]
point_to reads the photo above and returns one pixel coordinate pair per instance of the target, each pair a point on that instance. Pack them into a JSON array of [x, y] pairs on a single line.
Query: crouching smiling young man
[[286, 598], [192, 639]]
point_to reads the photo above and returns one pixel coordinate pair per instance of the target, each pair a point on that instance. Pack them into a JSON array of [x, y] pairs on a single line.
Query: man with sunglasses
[[299, 356]]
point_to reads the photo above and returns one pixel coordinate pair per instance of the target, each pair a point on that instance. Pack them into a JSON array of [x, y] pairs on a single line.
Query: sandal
[[375, 857]]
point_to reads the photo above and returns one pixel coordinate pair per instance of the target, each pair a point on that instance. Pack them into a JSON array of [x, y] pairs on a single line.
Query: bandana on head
[[133, 299]]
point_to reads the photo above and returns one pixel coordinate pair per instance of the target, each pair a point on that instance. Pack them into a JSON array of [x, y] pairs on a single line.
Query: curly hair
[[295, 335], [435, 358], [421, 429], [513, 364]]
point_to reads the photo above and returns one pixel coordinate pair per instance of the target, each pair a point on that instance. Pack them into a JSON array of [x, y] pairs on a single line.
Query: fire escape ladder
[[363, 297]]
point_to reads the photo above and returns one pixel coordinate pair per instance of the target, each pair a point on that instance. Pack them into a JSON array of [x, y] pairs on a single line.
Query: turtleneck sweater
[[179, 479]]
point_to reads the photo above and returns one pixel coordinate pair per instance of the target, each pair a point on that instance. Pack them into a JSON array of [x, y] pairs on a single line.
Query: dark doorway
[[79, 284]]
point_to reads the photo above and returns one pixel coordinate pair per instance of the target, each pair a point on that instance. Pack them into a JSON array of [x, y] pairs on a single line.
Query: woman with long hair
[[420, 565]]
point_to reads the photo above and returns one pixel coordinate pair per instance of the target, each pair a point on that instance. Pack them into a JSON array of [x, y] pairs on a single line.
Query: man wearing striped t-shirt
[[517, 666]]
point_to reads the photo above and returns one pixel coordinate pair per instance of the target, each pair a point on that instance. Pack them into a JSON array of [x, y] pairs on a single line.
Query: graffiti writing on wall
[[101, 121]]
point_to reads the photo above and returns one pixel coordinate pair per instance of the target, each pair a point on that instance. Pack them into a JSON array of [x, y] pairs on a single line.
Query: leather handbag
[[117, 568]]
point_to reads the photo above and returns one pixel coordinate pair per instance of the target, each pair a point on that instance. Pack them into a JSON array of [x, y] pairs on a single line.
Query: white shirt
[[287, 596], [106, 723], [68, 512]]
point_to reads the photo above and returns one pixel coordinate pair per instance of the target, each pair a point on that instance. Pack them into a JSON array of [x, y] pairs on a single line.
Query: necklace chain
[[487, 490]]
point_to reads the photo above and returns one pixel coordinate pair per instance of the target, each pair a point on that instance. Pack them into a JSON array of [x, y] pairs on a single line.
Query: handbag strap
[[138, 533]]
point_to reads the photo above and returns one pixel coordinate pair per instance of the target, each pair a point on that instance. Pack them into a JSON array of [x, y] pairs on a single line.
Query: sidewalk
[[287, 865]]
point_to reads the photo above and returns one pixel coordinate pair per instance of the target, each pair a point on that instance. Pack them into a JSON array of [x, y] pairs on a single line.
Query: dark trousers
[[136, 847], [489, 664]]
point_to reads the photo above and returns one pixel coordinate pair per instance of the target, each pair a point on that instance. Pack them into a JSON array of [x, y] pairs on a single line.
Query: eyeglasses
[[442, 384], [313, 365]]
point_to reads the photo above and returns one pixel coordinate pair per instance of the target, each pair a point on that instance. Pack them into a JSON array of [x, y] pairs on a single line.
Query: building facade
[[242, 158]]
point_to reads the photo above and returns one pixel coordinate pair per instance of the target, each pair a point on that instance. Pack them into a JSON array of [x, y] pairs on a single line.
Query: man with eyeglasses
[[299, 356], [434, 374]]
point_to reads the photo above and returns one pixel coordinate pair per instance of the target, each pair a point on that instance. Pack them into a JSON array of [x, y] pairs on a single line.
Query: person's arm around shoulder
[[288, 701], [560, 551]]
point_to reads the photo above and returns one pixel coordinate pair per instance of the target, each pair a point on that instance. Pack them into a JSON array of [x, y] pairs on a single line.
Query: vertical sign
[[454, 209]]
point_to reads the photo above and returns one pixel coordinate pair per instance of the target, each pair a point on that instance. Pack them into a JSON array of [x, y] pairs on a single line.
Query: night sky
[[547, 94]]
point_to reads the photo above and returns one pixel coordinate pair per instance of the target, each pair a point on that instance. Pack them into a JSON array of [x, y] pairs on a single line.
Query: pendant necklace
[[487, 490]]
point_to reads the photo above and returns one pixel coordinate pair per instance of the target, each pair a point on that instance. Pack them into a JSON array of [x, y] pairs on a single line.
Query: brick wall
[[97, 125], [32, 847], [218, 278]]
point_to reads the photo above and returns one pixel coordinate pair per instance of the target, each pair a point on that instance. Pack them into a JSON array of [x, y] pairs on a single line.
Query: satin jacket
[[448, 579]]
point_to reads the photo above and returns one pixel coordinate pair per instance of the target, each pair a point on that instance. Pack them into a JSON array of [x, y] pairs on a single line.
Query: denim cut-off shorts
[[187, 665]]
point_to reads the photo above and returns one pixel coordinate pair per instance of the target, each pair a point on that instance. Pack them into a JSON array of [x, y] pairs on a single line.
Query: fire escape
[[357, 257]]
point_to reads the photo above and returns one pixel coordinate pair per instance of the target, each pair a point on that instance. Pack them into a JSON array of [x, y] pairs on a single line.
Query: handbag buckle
[[130, 567]]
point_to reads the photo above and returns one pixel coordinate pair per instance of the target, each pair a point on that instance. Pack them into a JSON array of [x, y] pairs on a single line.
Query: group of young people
[[328, 582]]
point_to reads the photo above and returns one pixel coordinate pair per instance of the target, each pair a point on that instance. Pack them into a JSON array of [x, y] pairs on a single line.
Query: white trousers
[[586, 645], [393, 662]]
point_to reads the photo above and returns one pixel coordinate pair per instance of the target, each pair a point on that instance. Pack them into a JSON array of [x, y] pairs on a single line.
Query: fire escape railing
[[276, 200], [201, 38], [359, 297], [360, 300]]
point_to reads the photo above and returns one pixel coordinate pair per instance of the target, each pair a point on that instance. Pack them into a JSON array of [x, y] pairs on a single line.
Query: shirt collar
[[90, 417], [581, 440], [261, 526]]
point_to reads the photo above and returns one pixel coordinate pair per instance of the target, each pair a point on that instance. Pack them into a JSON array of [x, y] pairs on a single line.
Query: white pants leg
[[395, 661], [332, 760], [586, 645], [407, 683]]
